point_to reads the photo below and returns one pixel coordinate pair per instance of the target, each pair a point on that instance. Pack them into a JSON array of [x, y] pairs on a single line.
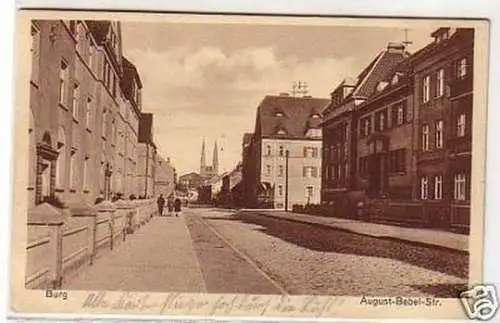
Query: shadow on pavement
[[340, 241]]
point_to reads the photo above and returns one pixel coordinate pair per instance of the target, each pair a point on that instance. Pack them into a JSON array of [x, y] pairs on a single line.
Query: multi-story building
[[385, 146], [443, 74], [51, 109], [130, 112], [77, 149], [340, 128], [287, 150], [165, 176], [146, 156]]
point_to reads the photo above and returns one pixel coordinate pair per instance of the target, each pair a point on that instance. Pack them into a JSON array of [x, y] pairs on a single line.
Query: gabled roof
[[375, 72], [403, 69], [296, 114]]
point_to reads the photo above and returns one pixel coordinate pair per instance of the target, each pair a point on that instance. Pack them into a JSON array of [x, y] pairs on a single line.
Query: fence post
[[127, 219], [82, 209], [108, 208], [47, 215]]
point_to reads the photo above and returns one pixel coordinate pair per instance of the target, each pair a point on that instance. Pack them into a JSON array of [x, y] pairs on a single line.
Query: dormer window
[[381, 85], [315, 116], [278, 114], [281, 132], [395, 79]]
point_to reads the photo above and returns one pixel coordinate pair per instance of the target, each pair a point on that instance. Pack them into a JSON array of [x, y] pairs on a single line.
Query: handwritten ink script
[[186, 304]]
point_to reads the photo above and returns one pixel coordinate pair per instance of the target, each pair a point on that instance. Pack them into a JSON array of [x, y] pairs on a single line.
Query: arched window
[[61, 159]]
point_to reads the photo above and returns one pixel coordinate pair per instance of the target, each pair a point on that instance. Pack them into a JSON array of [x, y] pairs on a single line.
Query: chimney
[[396, 48]]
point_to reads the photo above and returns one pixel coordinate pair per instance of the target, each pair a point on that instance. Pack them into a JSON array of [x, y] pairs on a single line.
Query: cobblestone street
[[227, 252]]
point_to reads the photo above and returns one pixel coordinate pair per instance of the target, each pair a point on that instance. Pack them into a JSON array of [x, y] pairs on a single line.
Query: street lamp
[[287, 155]]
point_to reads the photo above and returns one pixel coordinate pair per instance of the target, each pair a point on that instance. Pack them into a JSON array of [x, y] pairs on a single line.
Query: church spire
[[215, 162], [203, 162]]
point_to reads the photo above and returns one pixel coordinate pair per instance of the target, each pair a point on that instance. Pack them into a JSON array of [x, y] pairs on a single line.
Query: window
[[459, 187], [397, 161], [425, 138], [400, 119], [310, 171], [72, 169], [88, 110], [85, 173], [461, 125], [381, 120], [439, 134], [462, 69], [309, 192], [310, 152], [63, 82], [426, 89], [113, 131], [332, 172], [438, 187], [282, 151], [103, 123], [424, 188], [91, 57], [440, 83], [268, 150], [278, 114], [76, 101], [280, 190], [280, 170], [35, 53], [268, 169], [366, 128]]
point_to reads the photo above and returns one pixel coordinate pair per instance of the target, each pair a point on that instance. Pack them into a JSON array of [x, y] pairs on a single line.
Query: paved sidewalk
[[426, 236], [159, 257]]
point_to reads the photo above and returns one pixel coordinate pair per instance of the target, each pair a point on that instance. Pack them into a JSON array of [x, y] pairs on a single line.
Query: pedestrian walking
[[161, 204], [177, 206], [170, 204]]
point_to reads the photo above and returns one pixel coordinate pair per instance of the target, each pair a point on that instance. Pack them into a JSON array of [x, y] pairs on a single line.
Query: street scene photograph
[[250, 158]]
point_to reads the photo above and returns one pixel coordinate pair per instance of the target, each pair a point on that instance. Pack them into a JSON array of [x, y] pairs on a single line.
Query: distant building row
[[88, 135]]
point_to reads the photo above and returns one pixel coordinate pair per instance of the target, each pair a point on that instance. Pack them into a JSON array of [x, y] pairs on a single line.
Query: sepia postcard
[[203, 165]]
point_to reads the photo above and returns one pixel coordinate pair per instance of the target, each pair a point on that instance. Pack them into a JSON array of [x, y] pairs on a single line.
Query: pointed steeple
[[203, 162], [215, 162]]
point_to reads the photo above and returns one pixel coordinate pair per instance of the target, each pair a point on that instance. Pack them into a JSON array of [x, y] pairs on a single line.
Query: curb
[[333, 227]]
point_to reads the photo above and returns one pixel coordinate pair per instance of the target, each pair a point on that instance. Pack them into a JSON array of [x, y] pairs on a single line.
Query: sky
[[205, 81]]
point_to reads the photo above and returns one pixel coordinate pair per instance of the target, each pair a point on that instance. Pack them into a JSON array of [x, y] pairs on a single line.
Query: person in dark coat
[[161, 204], [177, 206], [170, 205]]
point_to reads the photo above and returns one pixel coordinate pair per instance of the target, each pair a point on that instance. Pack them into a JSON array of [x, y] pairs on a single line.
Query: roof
[[192, 175], [296, 113], [247, 137], [376, 71], [99, 29], [130, 75], [462, 36], [403, 69]]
